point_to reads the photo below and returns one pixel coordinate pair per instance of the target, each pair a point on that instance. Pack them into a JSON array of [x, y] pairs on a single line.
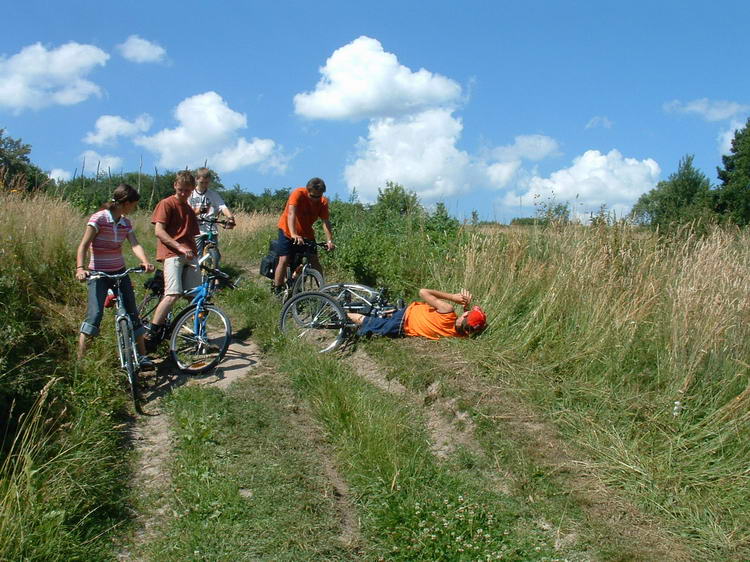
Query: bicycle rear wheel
[[310, 280], [147, 306], [199, 342], [129, 360], [316, 319]]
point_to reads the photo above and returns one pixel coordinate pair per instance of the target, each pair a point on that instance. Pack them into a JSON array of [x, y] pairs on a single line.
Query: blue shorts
[[286, 247], [390, 327]]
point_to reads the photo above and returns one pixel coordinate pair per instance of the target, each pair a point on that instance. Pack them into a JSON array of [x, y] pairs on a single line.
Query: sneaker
[[145, 363]]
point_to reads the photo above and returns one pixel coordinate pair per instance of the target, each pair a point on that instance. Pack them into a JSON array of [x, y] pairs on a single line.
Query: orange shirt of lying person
[[421, 319]]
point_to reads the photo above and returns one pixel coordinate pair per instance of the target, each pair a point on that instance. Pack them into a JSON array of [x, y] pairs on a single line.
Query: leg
[[97, 292], [356, 318], [279, 276]]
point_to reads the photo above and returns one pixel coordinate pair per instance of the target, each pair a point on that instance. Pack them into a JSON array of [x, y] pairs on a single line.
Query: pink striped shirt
[[106, 249]]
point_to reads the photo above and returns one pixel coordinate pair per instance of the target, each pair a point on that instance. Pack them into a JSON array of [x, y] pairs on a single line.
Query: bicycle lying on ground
[[319, 317], [301, 276], [200, 334], [126, 343]]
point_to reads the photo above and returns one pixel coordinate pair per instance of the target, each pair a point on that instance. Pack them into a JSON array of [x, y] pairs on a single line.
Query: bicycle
[[208, 242], [300, 275], [200, 334], [320, 317], [126, 343]]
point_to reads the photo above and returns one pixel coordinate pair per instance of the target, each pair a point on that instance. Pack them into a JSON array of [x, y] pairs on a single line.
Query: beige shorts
[[180, 276]]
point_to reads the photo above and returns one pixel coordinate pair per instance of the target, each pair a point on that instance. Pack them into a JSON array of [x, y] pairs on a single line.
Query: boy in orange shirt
[[304, 206], [432, 319]]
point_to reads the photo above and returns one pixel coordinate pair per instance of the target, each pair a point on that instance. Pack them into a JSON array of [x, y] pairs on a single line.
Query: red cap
[[477, 319]]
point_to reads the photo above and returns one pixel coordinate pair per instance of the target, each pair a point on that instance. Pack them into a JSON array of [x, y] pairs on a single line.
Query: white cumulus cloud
[[418, 151], [710, 110], [92, 160], [361, 80], [207, 131], [58, 174], [109, 127], [726, 136], [505, 162], [137, 49], [37, 77], [595, 179]]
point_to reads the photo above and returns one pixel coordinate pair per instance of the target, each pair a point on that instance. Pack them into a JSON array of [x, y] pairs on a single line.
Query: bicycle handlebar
[[222, 222], [101, 274]]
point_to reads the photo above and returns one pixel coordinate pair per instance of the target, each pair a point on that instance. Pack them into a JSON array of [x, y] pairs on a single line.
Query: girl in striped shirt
[[105, 232]]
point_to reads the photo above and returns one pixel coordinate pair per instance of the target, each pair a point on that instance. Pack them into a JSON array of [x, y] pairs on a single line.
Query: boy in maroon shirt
[[176, 227]]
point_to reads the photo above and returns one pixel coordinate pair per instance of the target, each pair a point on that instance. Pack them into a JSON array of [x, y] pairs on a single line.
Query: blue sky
[[487, 106]]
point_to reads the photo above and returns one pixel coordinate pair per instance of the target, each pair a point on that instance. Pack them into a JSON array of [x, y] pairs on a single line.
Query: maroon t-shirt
[[179, 221]]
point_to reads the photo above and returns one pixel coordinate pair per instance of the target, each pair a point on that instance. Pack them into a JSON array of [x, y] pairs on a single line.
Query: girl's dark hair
[[123, 193]]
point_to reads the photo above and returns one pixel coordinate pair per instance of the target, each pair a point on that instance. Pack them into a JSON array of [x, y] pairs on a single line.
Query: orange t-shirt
[[421, 319], [308, 211]]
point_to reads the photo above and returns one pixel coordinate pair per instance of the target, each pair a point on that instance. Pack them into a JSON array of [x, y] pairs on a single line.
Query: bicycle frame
[[122, 314]]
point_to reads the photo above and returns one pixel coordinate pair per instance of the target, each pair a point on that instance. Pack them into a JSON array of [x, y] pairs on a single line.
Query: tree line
[[685, 196]]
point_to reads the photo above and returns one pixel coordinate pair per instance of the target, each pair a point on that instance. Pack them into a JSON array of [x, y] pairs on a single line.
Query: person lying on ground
[[433, 318]]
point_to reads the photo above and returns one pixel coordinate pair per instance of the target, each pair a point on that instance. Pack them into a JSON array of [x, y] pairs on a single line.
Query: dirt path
[[151, 436]]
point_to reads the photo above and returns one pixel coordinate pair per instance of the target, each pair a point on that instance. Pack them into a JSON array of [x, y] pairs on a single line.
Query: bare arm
[[170, 242], [290, 220], [82, 254], [439, 300], [329, 234], [139, 252], [227, 213]]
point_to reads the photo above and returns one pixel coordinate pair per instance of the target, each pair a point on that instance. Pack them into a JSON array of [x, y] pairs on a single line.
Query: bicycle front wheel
[[316, 319], [129, 360], [200, 338], [310, 280]]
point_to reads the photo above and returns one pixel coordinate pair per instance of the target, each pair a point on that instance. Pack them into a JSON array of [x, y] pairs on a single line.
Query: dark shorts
[[390, 327], [286, 246]]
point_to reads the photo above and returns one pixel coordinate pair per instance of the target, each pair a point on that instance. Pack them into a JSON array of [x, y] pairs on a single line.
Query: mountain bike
[[208, 242], [199, 335], [301, 276], [126, 343], [319, 317]]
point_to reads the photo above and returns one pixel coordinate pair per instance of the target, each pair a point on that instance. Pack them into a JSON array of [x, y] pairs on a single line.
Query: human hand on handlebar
[[330, 245], [147, 267], [82, 274], [297, 239], [186, 251]]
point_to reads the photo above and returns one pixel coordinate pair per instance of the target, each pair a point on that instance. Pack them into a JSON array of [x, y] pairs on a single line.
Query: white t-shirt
[[209, 199]]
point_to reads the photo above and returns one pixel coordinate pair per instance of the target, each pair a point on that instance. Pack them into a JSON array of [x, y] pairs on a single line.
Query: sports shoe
[[145, 363]]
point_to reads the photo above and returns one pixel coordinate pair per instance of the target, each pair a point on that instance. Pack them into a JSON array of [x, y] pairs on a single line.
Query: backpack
[[270, 261], [155, 284]]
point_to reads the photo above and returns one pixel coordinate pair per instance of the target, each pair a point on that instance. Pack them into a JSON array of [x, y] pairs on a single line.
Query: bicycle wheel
[[197, 344], [316, 319], [310, 280], [129, 360], [147, 306]]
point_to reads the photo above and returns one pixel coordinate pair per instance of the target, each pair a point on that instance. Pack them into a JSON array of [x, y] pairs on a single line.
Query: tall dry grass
[[61, 466], [606, 329]]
